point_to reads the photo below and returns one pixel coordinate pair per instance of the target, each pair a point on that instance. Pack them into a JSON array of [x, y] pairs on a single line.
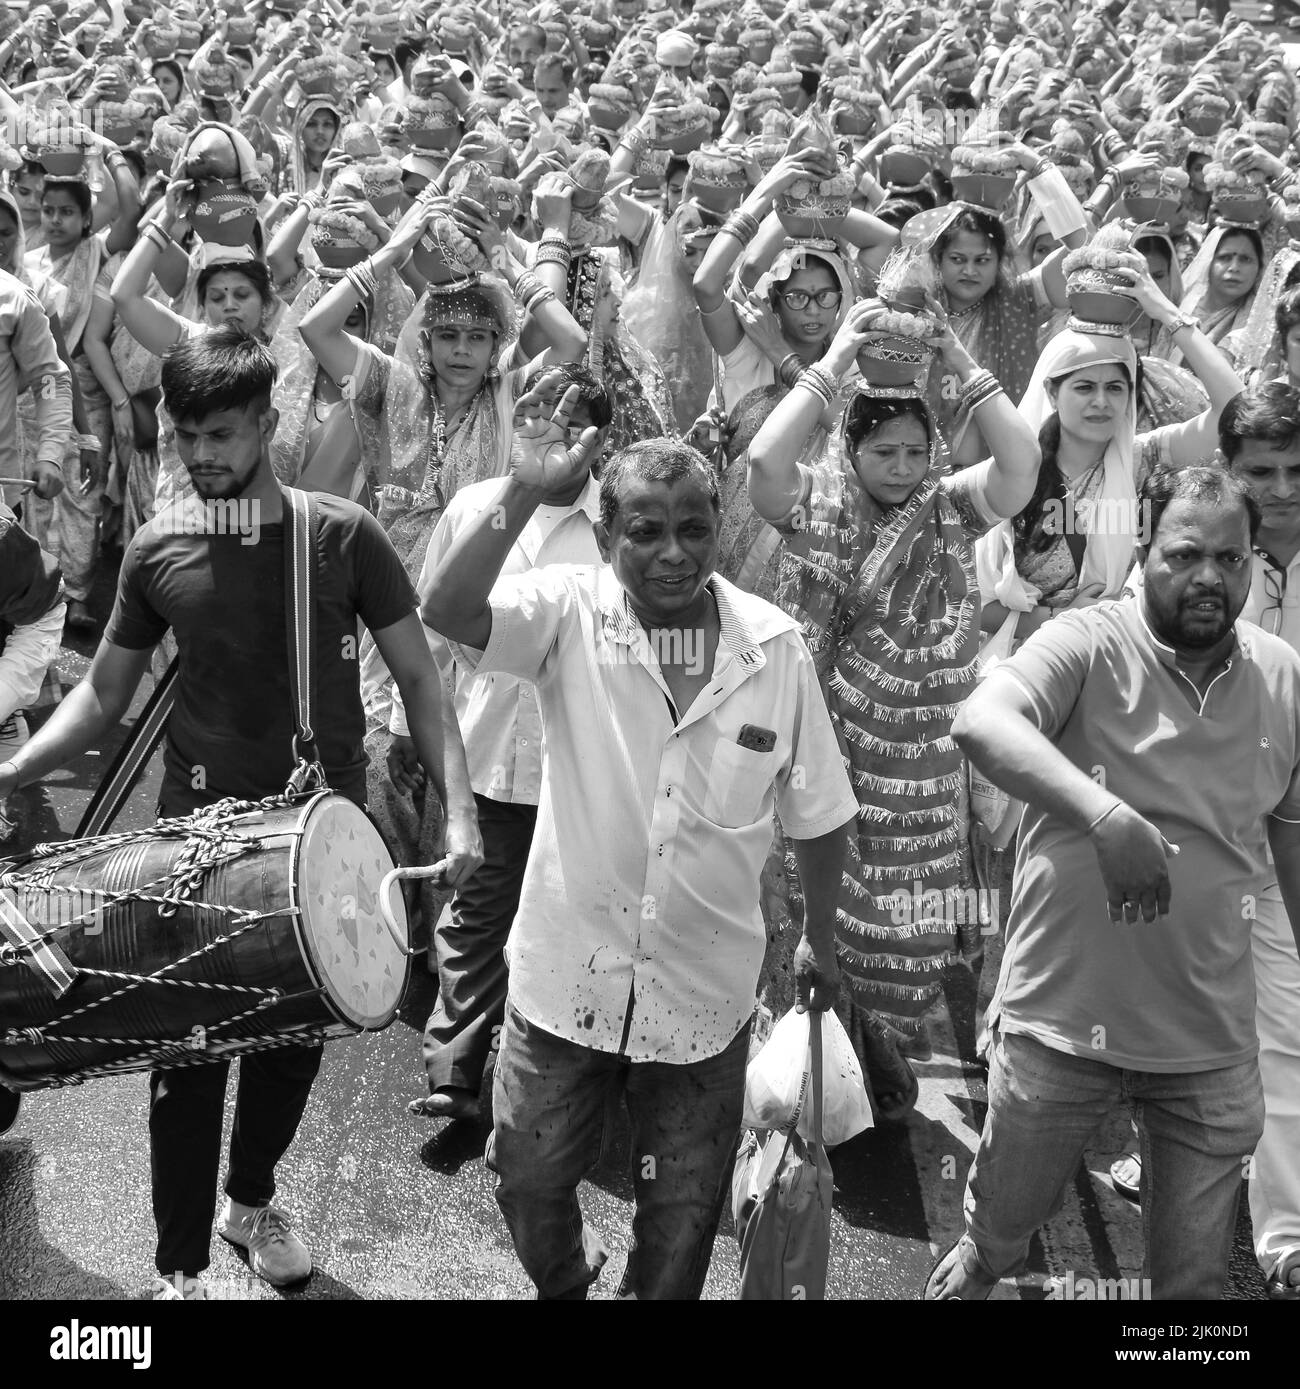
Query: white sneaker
[[275, 1253], [176, 1287]]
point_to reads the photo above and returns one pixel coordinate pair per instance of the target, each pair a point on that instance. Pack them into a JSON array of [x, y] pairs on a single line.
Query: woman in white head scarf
[[1073, 544]]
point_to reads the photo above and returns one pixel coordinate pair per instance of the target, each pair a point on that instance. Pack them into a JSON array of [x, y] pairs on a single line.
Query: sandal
[[983, 1284], [1126, 1176], [1278, 1283]]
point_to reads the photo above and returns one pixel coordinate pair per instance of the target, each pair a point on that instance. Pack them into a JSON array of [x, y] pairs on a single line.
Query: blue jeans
[[548, 1104], [1196, 1130]]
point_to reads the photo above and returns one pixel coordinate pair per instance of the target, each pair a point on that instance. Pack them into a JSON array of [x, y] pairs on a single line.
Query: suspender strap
[[300, 559], [132, 758]]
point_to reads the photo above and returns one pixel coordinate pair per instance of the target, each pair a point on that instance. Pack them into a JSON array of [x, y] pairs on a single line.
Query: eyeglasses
[[1275, 592], [800, 298]]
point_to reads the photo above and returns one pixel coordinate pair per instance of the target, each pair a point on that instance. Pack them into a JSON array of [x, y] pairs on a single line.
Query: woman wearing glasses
[[804, 289]]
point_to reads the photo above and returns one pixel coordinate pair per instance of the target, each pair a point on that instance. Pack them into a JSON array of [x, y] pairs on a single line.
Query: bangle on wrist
[[18, 776], [742, 225], [88, 441], [1102, 816], [820, 382], [155, 235], [1179, 322], [789, 369], [117, 404]]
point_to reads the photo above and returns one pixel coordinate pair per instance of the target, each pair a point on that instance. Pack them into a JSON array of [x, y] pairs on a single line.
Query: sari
[[643, 408], [345, 455], [662, 316], [890, 610], [1257, 347], [1217, 324], [69, 525]]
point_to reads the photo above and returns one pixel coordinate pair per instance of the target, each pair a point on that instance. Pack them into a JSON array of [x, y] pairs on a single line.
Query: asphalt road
[[394, 1207]]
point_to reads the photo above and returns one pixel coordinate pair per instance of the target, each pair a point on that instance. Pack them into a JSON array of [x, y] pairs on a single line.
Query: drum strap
[[132, 758], [46, 961], [301, 559]]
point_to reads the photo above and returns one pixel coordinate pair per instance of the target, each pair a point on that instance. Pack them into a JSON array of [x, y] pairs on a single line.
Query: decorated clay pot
[[223, 213], [984, 190], [1152, 209], [903, 167]]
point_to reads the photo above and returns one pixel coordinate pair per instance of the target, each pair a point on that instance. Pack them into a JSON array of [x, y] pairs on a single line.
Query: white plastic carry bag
[[775, 1080]]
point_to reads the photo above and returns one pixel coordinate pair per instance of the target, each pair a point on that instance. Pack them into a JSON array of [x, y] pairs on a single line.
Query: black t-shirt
[[231, 729]]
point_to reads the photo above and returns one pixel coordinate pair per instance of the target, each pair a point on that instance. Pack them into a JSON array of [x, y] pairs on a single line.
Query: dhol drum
[[243, 927]]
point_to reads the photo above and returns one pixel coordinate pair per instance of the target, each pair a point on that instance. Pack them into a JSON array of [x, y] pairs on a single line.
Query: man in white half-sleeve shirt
[[676, 711]]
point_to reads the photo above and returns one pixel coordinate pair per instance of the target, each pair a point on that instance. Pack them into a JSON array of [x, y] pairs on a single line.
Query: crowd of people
[[825, 443]]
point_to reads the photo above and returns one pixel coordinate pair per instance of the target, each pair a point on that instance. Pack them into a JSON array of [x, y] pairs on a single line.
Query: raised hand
[[541, 457]]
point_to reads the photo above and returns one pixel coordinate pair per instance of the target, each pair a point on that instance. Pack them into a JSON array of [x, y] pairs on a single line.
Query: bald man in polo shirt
[[1157, 746]]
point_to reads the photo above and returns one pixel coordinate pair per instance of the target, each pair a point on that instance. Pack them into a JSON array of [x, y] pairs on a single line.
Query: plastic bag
[[775, 1081]]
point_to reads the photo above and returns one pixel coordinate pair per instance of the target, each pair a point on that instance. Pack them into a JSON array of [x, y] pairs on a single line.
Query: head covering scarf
[[1108, 556], [1257, 347], [890, 609], [425, 464], [1218, 323], [1000, 331], [305, 179], [15, 265]]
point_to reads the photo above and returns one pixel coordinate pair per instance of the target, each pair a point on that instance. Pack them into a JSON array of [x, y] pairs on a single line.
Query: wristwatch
[[1180, 322]]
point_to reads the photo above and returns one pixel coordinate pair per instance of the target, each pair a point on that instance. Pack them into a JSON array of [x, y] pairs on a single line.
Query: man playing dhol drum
[[222, 592]]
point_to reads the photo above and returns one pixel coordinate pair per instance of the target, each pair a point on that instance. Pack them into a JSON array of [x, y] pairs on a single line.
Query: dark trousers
[[549, 1099], [465, 1024], [186, 1106]]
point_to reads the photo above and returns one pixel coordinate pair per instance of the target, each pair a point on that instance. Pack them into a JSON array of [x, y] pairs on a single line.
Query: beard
[[1176, 622]]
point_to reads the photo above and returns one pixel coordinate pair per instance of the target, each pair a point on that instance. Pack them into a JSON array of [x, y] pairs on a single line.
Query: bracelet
[[820, 382], [637, 141], [789, 369], [1176, 325], [1044, 166], [1102, 816], [742, 225], [155, 235], [362, 278], [527, 285], [88, 441], [979, 382], [117, 404], [537, 299], [983, 399], [553, 255], [1112, 144], [18, 776]]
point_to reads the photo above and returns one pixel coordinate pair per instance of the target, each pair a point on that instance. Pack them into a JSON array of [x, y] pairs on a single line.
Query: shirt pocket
[[739, 779]]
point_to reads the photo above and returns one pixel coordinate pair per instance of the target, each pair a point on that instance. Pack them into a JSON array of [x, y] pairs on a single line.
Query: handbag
[[781, 1199]]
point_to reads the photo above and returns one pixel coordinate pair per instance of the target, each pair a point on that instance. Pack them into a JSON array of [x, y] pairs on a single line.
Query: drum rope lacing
[[209, 827]]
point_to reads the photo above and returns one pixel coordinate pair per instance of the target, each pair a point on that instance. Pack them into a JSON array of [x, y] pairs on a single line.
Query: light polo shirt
[[499, 720], [1177, 994], [638, 930]]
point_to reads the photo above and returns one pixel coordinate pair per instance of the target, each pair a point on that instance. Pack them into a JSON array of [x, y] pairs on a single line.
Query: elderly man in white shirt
[[501, 725], [677, 711]]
